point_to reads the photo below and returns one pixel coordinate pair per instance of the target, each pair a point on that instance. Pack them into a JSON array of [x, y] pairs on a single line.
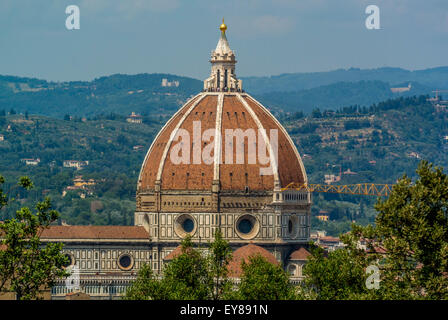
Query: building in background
[[166, 83], [75, 164], [135, 118]]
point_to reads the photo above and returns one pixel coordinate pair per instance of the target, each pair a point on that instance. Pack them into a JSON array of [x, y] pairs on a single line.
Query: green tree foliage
[[409, 244], [26, 265], [145, 287], [339, 274], [261, 280], [195, 276], [412, 225], [192, 275], [187, 277], [220, 256]]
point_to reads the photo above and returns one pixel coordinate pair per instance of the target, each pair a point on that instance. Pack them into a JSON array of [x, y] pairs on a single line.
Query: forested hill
[[146, 94], [337, 95], [122, 94], [435, 78]]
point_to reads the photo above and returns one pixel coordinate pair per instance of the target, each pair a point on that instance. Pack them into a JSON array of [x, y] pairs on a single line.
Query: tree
[[316, 113], [145, 287], [412, 226], [262, 280], [26, 265], [409, 244], [220, 256], [340, 274], [186, 277]]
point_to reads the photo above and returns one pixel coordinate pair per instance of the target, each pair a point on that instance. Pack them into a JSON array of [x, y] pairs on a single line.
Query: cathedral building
[[222, 162]]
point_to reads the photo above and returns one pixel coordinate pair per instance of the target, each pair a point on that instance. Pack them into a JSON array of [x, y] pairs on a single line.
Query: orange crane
[[366, 189]]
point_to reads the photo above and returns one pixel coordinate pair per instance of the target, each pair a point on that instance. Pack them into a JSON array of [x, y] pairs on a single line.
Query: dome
[[300, 254], [225, 113], [243, 254], [221, 151], [221, 140], [221, 112]]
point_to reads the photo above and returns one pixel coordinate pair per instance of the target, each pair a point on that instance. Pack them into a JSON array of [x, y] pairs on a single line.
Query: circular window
[[185, 225], [247, 226], [125, 262], [188, 225], [70, 260]]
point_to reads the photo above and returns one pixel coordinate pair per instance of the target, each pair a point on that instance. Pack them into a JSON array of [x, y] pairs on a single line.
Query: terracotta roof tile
[[300, 254], [173, 254], [233, 176], [243, 254], [330, 239], [95, 232]]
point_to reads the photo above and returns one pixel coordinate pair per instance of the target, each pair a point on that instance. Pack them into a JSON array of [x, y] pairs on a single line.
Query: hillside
[[336, 95], [106, 143], [145, 94], [376, 144], [436, 78], [122, 94]]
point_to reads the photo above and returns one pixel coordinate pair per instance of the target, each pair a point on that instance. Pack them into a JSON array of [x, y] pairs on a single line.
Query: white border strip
[[218, 137], [287, 137], [158, 135], [265, 137], [170, 141]]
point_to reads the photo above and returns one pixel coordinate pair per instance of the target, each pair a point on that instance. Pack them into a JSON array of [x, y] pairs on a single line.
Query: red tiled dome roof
[[243, 254], [173, 254], [220, 111], [300, 254]]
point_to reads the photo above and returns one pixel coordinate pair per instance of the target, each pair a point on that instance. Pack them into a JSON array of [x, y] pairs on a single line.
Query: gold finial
[[223, 26]]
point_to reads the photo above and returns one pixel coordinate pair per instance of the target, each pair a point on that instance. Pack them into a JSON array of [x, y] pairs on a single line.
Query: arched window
[[292, 269], [225, 78], [218, 81]]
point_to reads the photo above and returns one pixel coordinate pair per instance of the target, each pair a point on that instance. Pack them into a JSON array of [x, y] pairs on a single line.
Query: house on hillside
[[166, 83], [330, 178], [401, 89], [349, 172], [323, 215], [414, 154], [135, 118], [75, 164], [31, 162]]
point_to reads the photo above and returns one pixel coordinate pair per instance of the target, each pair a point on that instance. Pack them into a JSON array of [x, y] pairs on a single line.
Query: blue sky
[[176, 36]]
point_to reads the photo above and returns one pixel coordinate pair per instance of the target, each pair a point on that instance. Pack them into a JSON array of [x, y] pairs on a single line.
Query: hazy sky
[[176, 36]]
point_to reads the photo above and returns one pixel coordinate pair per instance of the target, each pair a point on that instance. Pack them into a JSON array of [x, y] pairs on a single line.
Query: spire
[[223, 26], [223, 45], [223, 61]]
